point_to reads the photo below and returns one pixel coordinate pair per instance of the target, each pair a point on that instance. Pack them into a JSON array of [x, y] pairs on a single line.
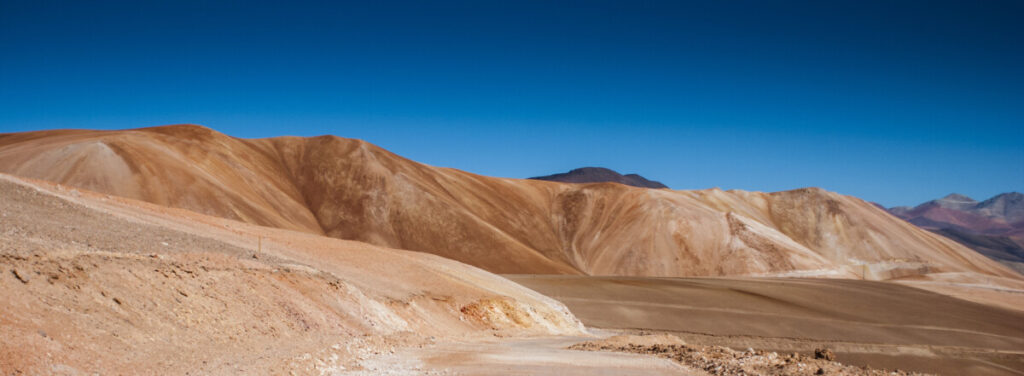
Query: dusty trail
[[533, 356]]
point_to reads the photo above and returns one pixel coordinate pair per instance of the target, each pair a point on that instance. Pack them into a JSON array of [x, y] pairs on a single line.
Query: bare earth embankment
[[93, 283], [884, 325]]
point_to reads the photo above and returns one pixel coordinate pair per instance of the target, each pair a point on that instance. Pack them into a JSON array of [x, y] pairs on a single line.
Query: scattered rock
[[118, 301], [723, 361], [21, 275], [826, 354]]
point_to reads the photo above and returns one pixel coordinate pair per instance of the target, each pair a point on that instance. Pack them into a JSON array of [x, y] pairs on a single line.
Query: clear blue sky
[[892, 102]]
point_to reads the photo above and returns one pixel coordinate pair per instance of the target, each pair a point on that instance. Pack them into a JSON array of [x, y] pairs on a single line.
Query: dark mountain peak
[[601, 175], [1008, 206], [1000, 215], [953, 201], [593, 170], [994, 227], [1008, 196], [958, 197]]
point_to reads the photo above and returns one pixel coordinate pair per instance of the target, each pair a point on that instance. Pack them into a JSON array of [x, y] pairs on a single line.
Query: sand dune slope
[[353, 190]]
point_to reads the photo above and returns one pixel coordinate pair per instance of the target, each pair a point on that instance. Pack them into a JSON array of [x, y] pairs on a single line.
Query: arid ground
[[94, 283], [180, 250], [881, 324]]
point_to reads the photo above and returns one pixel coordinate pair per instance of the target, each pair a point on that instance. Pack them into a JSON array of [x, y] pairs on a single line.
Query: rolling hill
[[353, 190]]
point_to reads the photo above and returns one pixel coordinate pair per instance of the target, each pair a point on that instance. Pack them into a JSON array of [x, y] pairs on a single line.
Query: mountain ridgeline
[[994, 227], [601, 175], [353, 190]]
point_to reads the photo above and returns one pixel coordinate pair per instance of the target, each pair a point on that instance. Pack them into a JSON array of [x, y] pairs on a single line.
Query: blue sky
[[894, 102]]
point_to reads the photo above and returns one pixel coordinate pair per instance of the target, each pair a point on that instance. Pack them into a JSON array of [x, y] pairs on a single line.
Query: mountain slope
[[353, 190], [1007, 206], [601, 175], [1006, 250], [994, 227], [999, 215], [99, 284]]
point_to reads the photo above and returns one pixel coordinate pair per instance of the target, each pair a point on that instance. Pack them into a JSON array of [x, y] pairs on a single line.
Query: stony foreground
[[722, 361]]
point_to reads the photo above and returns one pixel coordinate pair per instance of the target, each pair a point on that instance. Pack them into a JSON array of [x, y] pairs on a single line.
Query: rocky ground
[[866, 323], [723, 361]]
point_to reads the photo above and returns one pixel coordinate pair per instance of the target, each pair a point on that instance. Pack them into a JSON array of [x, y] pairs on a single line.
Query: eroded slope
[[94, 283], [350, 189]]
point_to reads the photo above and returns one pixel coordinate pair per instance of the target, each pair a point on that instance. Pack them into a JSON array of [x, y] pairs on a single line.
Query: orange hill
[[350, 189]]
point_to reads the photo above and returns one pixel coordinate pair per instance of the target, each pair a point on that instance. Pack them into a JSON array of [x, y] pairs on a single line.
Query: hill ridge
[[601, 175], [354, 190]]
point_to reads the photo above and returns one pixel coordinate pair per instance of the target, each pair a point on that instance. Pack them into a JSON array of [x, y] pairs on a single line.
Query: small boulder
[[21, 275], [826, 354]]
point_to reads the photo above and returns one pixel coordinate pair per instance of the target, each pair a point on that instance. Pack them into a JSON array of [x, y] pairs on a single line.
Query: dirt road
[[511, 356]]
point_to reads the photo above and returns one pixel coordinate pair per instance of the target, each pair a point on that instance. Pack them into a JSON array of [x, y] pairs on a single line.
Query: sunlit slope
[[350, 189], [98, 283], [180, 166]]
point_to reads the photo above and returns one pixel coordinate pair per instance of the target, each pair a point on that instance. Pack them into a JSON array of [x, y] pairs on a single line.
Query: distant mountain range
[[601, 175], [994, 227]]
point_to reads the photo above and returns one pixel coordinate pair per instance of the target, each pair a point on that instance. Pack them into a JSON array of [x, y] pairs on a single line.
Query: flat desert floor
[[877, 324]]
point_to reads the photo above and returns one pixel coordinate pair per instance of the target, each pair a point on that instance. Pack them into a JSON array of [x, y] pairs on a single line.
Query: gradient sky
[[892, 102]]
